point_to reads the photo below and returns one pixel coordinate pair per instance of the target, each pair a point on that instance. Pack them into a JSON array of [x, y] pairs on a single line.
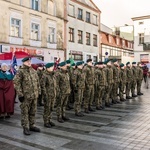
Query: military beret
[[62, 64], [114, 60], [26, 59], [96, 63], [79, 63], [68, 61], [48, 65], [100, 63], [121, 65], [40, 65], [89, 60], [133, 62], [107, 61], [73, 64], [127, 63]]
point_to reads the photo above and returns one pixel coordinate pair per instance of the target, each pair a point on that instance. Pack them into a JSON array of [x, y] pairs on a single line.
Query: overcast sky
[[120, 12]]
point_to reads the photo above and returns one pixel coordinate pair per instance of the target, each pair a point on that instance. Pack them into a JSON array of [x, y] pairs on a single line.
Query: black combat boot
[[60, 120], [79, 114], [34, 129], [86, 111], [26, 131], [47, 125], [65, 118], [133, 95], [128, 97], [99, 108], [107, 104], [52, 123], [91, 109]]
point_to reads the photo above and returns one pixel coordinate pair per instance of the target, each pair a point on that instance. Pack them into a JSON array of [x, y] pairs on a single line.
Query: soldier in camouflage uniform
[[116, 78], [89, 86], [70, 98], [139, 78], [129, 80], [40, 70], [122, 83], [134, 79], [79, 86], [48, 87], [28, 89], [63, 81], [110, 81], [99, 85]]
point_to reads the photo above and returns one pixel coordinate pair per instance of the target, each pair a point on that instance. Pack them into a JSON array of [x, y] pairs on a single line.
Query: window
[[51, 35], [35, 34], [141, 38], [15, 27], [94, 40], [71, 10], [88, 17], [35, 4], [88, 56], [88, 38], [95, 19], [80, 36], [76, 57], [94, 58], [71, 34], [80, 14]]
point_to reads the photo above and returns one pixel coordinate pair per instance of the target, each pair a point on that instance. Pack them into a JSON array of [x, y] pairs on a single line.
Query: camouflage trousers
[[99, 95], [114, 91], [61, 104], [48, 108], [121, 90], [139, 84], [133, 85], [88, 96], [28, 111], [108, 92], [78, 100], [128, 88]]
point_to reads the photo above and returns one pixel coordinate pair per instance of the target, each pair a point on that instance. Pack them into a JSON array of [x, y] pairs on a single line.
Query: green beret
[[68, 61], [89, 60], [114, 60], [26, 59], [79, 63], [62, 64], [121, 65], [133, 63], [96, 64], [127, 63], [48, 65], [100, 63], [107, 61], [73, 64]]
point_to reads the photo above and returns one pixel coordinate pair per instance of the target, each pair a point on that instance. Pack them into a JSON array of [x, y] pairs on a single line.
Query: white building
[[142, 38], [83, 30]]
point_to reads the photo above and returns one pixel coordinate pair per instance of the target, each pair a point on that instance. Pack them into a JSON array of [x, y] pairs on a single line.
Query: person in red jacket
[[145, 72]]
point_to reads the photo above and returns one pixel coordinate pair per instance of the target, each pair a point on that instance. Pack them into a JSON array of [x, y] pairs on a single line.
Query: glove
[[21, 99]]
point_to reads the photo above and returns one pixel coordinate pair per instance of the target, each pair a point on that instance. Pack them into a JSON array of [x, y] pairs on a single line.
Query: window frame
[[95, 23], [33, 5], [39, 34], [141, 38], [73, 15], [80, 16], [80, 37], [53, 35], [95, 40], [71, 34], [88, 38], [15, 26], [88, 19]]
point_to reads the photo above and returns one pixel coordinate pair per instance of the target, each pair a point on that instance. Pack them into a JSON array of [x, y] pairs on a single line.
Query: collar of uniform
[[26, 67], [50, 73], [64, 71]]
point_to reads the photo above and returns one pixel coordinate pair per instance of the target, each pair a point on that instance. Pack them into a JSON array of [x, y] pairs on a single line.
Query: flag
[[13, 65], [71, 61], [56, 63]]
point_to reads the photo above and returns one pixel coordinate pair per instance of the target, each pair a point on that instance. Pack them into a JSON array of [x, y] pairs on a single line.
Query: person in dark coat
[[7, 92]]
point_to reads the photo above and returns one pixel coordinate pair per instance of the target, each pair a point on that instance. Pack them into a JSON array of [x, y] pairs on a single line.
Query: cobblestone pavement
[[122, 127]]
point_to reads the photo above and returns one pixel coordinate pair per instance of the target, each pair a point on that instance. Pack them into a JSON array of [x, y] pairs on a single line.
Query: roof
[[141, 17]]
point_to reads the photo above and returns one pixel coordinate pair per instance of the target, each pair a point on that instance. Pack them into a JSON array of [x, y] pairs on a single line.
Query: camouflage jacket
[[63, 81], [109, 75], [72, 79], [128, 74], [40, 73], [139, 73], [123, 76], [26, 83], [89, 75], [105, 73], [134, 73], [100, 77], [48, 84], [79, 77], [116, 75]]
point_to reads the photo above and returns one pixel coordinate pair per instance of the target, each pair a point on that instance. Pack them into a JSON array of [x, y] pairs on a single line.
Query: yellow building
[[33, 26]]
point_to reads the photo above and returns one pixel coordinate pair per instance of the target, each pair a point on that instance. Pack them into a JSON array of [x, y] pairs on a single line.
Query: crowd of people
[[81, 85]]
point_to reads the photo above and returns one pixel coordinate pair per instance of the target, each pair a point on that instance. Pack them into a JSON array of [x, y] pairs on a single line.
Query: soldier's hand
[[21, 99]]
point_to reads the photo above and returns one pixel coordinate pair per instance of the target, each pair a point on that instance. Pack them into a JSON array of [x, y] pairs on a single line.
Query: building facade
[[142, 38], [83, 29], [116, 47], [33, 26]]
